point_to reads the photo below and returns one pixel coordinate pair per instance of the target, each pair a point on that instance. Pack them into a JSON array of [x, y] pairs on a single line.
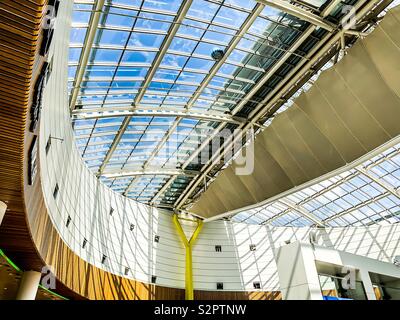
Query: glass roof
[[363, 195], [146, 93]]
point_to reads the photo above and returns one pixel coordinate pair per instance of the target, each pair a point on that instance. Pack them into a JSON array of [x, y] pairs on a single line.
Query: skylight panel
[[153, 21], [145, 40], [203, 10], [138, 56], [199, 64], [74, 54], [106, 55], [192, 29], [168, 5], [81, 13], [230, 17], [77, 36], [117, 17], [112, 37], [176, 61], [130, 36]]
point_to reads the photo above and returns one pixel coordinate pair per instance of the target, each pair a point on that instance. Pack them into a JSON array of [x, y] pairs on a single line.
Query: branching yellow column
[[189, 292]]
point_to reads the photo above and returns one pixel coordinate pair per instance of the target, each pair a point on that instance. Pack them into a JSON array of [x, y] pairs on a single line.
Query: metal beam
[[148, 172], [87, 48], [275, 95], [247, 98], [231, 46], [299, 12], [253, 91], [360, 205], [390, 144], [188, 244], [302, 211], [328, 10], [157, 61], [268, 221], [99, 113], [382, 183], [163, 189]]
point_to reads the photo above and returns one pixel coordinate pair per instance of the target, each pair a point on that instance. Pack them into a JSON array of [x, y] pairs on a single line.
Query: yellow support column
[[189, 292]]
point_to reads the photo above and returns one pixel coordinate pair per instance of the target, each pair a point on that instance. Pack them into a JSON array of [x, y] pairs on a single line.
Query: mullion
[[92, 55], [140, 139], [190, 56], [80, 59], [105, 16], [215, 104], [185, 64]]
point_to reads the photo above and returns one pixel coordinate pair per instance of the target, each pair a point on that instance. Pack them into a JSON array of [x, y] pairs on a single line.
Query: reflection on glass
[[333, 287]]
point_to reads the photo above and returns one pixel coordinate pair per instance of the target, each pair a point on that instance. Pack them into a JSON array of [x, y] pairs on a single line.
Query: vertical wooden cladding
[[19, 37], [20, 24]]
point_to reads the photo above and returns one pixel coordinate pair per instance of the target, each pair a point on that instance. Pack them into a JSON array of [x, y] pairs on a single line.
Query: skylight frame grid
[[369, 201], [221, 105]]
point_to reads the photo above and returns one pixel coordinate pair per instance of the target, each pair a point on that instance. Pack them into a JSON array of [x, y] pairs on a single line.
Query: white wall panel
[[88, 202]]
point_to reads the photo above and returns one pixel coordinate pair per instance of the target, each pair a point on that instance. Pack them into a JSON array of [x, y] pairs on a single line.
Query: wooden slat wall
[[19, 64], [27, 234], [236, 295], [19, 38]]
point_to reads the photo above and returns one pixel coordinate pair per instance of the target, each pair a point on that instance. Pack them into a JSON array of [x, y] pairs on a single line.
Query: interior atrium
[[199, 150]]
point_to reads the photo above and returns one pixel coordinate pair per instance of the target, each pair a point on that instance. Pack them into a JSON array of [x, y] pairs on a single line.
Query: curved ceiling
[[352, 109], [147, 95]]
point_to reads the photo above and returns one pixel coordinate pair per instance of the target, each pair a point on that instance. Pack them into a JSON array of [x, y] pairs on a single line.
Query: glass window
[[106, 55], [145, 40], [203, 10], [81, 13], [78, 35], [153, 21], [200, 64], [119, 17], [171, 60], [74, 54], [112, 37], [170, 5], [138, 56], [230, 17]]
